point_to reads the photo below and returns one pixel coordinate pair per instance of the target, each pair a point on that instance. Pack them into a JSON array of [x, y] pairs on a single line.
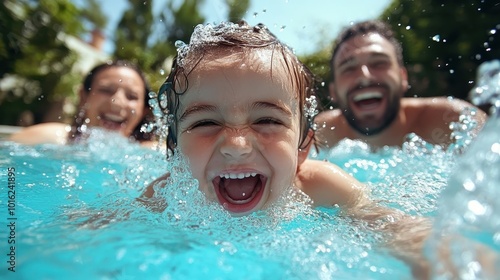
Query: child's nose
[[236, 143]]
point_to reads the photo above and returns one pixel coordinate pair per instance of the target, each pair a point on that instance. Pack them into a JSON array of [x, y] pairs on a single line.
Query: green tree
[[93, 13], [237, 9], [33, 55], [444, 42]]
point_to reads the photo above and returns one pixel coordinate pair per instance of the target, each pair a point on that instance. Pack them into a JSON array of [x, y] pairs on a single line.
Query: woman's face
[[239, 128], [115, 100]]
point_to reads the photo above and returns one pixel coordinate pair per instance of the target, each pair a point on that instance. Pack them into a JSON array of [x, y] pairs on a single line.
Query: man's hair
[[362, 28], [230, 38]]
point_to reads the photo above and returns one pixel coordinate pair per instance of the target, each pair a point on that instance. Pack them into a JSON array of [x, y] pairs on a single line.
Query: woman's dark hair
[[137, 134], [227, 36]]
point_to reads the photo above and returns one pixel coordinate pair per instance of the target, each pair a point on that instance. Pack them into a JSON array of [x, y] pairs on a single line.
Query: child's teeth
[[238, 176]]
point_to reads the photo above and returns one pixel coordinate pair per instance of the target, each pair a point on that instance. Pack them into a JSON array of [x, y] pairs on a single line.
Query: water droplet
[[255, 14], [112, 100], [452, 71], [436, 38], [264, 10], [408, 27], [132, 112], [162, 72], [282, 27], [493, 31], [478, 56]]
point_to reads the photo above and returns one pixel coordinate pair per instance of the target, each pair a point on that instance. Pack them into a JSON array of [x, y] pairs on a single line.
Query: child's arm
[[327, 185], [147, 197]]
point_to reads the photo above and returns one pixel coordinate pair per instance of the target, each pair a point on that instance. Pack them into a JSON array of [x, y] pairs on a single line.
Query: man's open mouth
[[368, 100], [239, 192]]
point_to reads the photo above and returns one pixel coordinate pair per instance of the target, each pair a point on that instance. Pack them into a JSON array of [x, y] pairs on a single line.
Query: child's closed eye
[[268, 121], [203, 123]]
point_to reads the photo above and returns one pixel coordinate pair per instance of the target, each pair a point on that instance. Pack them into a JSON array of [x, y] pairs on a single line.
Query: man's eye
[[348, 69], [380, 64]]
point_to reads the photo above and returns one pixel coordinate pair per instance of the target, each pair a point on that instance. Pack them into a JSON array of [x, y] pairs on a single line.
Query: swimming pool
[[76, 217], [71, 212]]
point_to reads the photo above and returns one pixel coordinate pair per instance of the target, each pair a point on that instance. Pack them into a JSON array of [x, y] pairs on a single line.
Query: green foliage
[[237, 9], [92, 12], [31, 51], [444, 42], [318, 63]]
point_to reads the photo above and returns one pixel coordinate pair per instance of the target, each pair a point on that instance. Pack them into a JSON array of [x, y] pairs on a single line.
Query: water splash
[[487, 90], [467, 226]]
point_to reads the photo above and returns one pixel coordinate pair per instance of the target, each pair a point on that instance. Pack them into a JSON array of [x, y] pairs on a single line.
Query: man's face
[[368, 82]]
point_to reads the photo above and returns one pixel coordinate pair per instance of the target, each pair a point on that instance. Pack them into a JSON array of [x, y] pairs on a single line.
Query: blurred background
[[47, 46]]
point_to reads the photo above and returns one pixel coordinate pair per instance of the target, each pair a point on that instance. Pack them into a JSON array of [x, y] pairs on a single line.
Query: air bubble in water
[[436, 38]]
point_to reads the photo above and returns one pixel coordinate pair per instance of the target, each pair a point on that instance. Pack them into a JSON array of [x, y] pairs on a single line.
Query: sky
[[305, 26]]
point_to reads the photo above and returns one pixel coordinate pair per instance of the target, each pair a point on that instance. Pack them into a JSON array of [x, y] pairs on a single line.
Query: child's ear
[[306, 146]]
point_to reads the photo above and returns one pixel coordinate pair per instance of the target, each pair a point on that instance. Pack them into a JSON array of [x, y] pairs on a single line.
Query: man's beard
[[389, 116]]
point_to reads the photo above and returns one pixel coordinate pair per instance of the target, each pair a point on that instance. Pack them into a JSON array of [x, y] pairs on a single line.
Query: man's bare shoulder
[[54, 133], [329, 117], [330, 128]]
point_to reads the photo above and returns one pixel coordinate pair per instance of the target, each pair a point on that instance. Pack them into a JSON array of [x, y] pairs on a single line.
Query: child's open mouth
[[239, 192]]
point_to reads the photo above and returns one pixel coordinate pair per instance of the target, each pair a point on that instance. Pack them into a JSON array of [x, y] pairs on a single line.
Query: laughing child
[[238, 106]]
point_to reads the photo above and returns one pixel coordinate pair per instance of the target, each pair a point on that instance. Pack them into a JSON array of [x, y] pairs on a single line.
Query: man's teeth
[[367, 95], [237, 175]]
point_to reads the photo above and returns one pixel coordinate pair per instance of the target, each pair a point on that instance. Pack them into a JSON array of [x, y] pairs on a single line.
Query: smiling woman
[[113, 96]]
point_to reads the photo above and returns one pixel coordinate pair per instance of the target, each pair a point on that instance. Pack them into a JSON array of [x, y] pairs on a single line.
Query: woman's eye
[[108, 91], [132, 97]]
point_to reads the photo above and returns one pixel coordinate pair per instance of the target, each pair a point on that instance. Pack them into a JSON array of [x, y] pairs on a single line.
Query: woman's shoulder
[[44, 133]]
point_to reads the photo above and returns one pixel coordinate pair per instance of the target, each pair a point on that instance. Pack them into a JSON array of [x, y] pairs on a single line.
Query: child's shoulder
[[327, 184]]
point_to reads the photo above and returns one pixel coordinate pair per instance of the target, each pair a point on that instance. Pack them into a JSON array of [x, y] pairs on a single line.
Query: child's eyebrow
[[196, 109], [270, 105], [257, 105]]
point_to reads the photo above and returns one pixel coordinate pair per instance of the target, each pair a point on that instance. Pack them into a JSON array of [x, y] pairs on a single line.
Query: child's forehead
[[259, 64]]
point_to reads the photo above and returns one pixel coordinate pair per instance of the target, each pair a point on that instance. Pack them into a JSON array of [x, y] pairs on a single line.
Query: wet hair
[[137, 134], [362, 28], [231, 38]]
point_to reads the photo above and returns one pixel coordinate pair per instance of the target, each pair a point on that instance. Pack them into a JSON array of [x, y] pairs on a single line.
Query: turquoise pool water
[[76, 216]]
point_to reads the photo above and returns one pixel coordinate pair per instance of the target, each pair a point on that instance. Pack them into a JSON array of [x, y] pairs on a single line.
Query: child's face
[[239, 129]]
